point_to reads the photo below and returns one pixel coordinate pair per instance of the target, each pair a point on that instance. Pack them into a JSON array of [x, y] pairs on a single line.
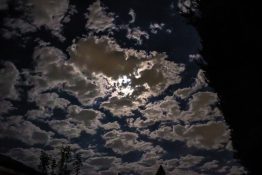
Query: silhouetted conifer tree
[[77, 163], [65, 156], [44, 163], [65, 166], [53, 166], [160, 171]]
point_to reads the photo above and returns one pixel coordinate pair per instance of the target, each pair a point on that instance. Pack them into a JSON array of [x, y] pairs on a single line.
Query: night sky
[[130, 85]]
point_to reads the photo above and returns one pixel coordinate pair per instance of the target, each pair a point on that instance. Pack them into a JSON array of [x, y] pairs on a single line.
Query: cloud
[[133, 16], [236, 170], [155, 27], [104, 162], [16, 127], [168, 109], [36, 14], [125, 142], [4, 4], [89, 117], [78, 120], [187, 6], [134, 77], [29, 157], [152, 156], [54, 71], [50, 101], [200, 107], [72, 127], [137, 34], [98, 19], [214, 164], [47, 13], [36, 114], [184, 162], [189, 161], [9, 76], [165, 110], [200, 82], [15, 27], [182, 172], [111, 125], [212, 135], [68, 128], [5, 107]]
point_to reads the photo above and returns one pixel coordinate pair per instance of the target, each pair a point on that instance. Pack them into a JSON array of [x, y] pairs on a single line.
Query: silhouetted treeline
[[68, 163]]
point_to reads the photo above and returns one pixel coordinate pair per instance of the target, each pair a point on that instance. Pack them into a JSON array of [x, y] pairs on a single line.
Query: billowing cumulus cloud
[[56, 72], [111, 125], [42, 13], [155, 27], [78, 120], [5, 106], [3, 4], [200, 82], [134, 77], [123, 106], [98, 19], [133, 15], [124, 142], [9, 76], [16, 28], [104, 162], [212, 135], [184, 162], [30, 156], [200, 108], [137, 34], [16, 127], [89, 117], [187, 6], [72, 128], [47, 12]]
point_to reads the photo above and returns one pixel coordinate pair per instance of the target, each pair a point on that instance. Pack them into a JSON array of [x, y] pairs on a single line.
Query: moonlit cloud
[[98, 19], [200, 107], [5, 106], [155, 27], [47, 13], [123, 106], [104, 162], [3, 4], [88, 116], [42, 13], [56, 72], [72, 127], [16, 28], [200, 82], [137, 34], [187, 6], [9, 76], [124, 142], [212, 135], [30, 156], [16, 127], [132, 79], [184, 162], [133, 16], [111, 125]]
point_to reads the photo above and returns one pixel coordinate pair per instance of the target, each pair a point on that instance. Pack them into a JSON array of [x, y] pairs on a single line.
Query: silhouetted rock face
[[161, 171], [9, 166]]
